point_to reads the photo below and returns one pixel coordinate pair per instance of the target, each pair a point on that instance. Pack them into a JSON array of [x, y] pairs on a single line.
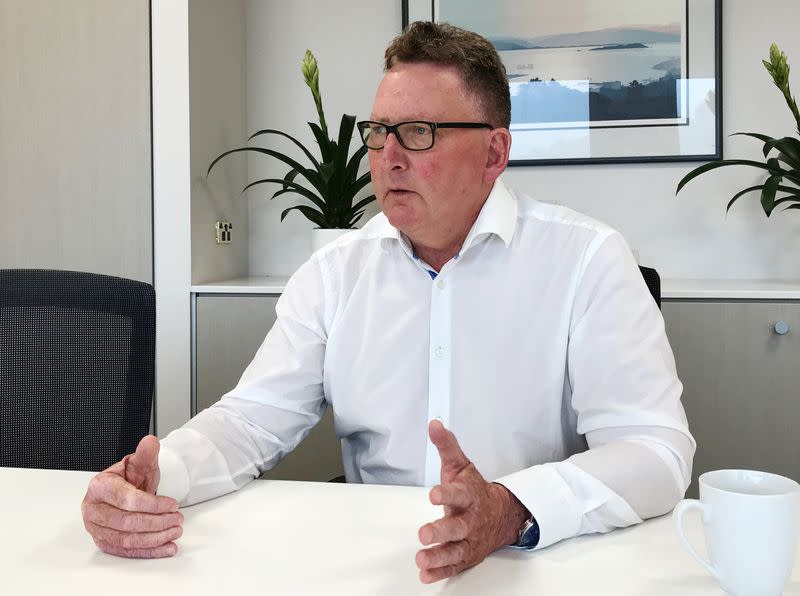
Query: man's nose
[[394, 154]]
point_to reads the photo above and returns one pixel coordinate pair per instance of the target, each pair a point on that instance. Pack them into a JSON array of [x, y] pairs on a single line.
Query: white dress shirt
[[537, 340]]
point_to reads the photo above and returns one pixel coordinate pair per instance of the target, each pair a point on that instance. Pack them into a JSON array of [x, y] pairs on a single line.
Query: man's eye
[[421, 131], [379, 130]]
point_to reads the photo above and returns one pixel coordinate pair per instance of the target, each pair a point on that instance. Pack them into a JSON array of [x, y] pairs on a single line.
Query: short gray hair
[[482, 71]]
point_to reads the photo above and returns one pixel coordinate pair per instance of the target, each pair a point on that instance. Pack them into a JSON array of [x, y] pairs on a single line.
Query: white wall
[[348, 39], [217, 66], [689, 235], [75, 136], [684, 236]]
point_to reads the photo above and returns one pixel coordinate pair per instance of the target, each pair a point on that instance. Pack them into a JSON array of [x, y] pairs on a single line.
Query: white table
[[313, 538]]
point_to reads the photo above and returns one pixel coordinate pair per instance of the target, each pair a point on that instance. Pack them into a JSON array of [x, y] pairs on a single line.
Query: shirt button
[[438, 352], [441, 284]]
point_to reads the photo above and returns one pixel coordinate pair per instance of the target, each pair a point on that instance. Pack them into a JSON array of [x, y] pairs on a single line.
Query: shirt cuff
[[174, 476], [549, 499]]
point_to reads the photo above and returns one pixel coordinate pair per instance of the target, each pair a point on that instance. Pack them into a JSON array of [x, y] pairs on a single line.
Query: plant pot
[[320, 237]]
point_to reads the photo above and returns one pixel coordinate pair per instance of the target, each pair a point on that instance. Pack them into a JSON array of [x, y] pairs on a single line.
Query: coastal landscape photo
[[585, 63]]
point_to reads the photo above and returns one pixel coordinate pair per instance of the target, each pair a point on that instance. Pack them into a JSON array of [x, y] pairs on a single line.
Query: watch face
[[530, 535]]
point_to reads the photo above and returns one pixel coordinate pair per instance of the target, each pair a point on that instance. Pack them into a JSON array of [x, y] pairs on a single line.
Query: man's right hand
[[124, 515]]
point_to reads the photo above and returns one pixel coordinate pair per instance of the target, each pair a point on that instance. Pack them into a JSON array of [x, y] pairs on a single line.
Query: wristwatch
[[528, 535]]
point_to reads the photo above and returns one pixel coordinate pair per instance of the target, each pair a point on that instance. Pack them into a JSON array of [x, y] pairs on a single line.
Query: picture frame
[[638, 83]]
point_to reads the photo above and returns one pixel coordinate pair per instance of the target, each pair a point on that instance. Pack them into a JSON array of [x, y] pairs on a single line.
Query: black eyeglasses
[[417, 135]]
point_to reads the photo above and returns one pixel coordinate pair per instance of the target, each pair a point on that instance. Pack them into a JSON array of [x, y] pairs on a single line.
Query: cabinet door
[[229, 331], [740, 383]]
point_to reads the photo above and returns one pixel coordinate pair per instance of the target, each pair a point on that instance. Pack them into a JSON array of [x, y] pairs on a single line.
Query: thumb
[[141, 468], [453, 458]]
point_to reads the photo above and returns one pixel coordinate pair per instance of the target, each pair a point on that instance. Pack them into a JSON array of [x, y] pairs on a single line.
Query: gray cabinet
[[739, 377], [740, 382], [229, 331]]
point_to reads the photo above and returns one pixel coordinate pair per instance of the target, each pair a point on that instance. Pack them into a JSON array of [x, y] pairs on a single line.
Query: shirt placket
[[439, 377]]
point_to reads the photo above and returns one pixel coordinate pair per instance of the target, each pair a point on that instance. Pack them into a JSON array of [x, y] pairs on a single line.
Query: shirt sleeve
[[277, 401], [626, 393]]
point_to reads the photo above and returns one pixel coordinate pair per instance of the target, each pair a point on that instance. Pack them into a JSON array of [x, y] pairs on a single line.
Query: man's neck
[[439, 252], [436, 258]]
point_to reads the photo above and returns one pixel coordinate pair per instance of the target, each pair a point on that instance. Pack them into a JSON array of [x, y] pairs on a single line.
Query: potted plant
[[331, 182], [781, 156]]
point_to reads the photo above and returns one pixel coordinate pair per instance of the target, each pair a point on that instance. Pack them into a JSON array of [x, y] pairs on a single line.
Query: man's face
[[431, 196]]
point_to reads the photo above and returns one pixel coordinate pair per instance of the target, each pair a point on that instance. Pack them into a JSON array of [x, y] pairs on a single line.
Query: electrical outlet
[[223, 231]]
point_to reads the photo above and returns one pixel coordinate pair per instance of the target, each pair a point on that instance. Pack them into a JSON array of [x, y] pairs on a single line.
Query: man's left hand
[[479, 516]]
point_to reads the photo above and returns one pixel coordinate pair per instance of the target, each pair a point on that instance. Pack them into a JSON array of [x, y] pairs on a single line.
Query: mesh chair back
[[653, 281], [77, 354]]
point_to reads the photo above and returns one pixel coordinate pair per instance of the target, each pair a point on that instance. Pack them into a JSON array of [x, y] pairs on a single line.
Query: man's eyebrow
[[384, 120]]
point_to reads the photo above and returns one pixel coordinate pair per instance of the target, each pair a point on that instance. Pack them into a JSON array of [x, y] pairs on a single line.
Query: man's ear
[[497, 156]]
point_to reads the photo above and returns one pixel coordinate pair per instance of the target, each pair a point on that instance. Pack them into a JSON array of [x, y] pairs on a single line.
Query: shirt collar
[[498, 216]]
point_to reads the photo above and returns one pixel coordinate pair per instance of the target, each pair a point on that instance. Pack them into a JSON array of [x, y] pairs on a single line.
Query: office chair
[[653, 281], [77, 367]]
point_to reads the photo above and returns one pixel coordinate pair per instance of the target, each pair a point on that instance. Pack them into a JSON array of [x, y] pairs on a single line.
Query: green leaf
[[355, 162], [311, 214], [354, 220], [768, 194], [792, 164], [362, 203], [789, 146], [741, 193], [290, 176], [791, 175], [311, 175], [755, 135], [293, 187], [337, 180], [759, 187], [281, 192], [775, 169], [267, 131], [346, 127], [786, 199], [720, 164], [352, 190], [323, 141], [760, 137], [326, 170], [795, 206]]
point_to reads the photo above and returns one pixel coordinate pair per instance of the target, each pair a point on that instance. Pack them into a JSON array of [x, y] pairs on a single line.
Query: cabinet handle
[[781, 327]]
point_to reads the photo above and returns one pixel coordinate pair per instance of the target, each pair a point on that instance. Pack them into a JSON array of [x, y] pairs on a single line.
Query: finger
[[446, 529], [450, 452], [451, 494], [429, 576], [133, 540], [115, 491], [165, 550], [450, 553], [141, 467], [129, 521]]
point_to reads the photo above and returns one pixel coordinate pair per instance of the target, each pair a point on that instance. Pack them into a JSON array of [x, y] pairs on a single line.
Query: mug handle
[[677, 518]]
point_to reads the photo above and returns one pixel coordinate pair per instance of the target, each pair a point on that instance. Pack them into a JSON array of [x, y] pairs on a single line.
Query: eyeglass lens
[[412, 135]]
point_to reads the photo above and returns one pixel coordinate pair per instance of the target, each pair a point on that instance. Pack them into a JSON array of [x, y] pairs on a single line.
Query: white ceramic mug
[[751, 521]]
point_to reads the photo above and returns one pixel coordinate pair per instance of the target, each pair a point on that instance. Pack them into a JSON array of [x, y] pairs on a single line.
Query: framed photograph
[[602, 81]]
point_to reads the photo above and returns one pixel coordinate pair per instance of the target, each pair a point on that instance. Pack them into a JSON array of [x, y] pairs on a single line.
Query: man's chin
[[402, 217]]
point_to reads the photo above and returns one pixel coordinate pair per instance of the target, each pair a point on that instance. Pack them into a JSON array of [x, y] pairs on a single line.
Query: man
[[524, 327]]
